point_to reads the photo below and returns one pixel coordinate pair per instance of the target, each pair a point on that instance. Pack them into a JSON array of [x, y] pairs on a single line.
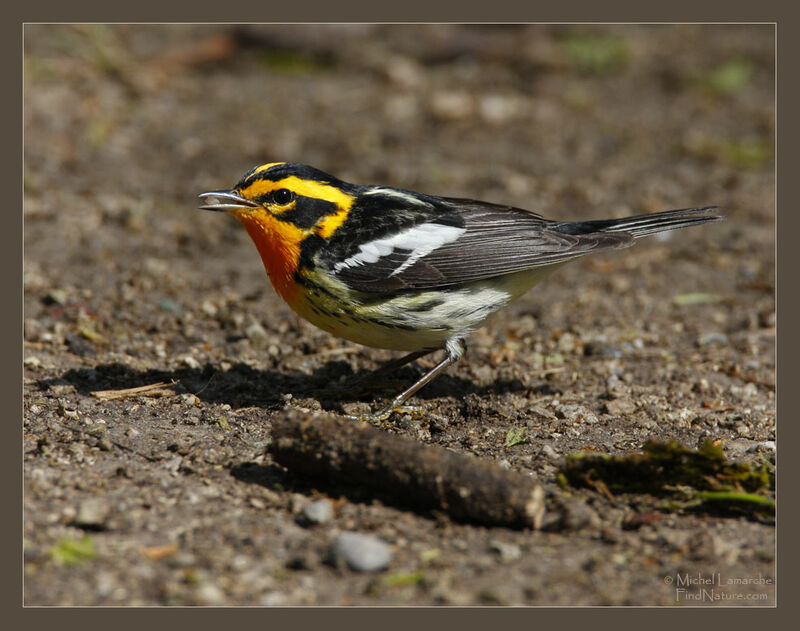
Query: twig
[[417, 475], [160, 389]]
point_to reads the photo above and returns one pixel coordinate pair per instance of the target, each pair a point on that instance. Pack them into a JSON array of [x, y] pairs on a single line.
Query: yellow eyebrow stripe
[[307, 188]]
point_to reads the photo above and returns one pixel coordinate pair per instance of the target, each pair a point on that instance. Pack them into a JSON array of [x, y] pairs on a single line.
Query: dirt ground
[[171, 497]]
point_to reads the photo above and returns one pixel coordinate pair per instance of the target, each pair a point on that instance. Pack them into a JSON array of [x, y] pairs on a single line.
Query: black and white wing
[[440, 242]]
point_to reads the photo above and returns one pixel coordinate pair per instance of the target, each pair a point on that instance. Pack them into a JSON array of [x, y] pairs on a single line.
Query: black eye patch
[[307, 212]]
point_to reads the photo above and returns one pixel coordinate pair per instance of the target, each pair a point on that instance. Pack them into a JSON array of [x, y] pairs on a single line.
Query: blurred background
[[553, 117]]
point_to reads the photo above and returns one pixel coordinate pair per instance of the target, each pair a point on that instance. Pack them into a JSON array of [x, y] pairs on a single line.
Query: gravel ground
[[170, 497]]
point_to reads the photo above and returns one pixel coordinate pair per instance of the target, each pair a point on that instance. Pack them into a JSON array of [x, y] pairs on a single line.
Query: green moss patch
[[695, 477]]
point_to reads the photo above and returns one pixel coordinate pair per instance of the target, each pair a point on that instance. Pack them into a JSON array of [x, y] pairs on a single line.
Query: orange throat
[[278, 243]]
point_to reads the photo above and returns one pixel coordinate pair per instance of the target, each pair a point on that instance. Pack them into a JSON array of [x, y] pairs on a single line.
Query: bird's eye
[[283, 196]]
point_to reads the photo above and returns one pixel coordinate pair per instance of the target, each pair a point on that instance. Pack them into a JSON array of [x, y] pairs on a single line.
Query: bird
[[392, 268]]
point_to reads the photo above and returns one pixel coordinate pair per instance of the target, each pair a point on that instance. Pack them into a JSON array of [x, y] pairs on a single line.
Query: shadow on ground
[[242, 386]]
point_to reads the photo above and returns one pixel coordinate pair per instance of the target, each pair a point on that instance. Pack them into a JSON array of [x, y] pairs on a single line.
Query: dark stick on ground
[[416, 475]]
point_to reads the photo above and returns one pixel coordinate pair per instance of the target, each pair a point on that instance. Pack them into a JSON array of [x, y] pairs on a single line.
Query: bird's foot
[[383, 415]]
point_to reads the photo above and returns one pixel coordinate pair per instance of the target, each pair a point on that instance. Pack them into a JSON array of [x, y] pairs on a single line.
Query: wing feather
[[461, 241]]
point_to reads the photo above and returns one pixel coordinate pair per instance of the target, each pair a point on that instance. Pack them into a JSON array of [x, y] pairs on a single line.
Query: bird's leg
[[360, 385], [454, 350]]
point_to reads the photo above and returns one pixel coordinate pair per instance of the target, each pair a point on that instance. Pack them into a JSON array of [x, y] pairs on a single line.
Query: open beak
[[225, 201]]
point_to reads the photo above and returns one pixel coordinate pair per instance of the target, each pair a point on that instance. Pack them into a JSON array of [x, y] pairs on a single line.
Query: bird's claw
[[383, 415]]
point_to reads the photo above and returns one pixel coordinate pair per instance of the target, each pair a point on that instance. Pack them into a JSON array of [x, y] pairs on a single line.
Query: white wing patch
[[391, 192], [420, 241]]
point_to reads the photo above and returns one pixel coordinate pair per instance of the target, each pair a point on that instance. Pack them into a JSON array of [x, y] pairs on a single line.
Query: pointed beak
[[225, 201]]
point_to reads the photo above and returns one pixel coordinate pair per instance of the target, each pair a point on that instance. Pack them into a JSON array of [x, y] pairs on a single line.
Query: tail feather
[[647, 224]]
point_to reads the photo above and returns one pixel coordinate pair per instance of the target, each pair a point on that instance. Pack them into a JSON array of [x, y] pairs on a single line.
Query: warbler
[[391, 268]]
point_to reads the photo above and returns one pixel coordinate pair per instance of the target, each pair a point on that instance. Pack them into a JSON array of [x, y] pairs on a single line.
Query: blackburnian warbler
[[395, 269]]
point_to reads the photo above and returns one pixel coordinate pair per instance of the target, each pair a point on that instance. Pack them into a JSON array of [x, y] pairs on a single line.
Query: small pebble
[[362, 553], [620, 407], [190, 362], [56, 297], [209, 308], [257, 335], [318, 512], [712, 338], [451, 106], [170, 305], [96, 428], [190, 399], [615, 387], [104, 444], [92, 512], [210, 594], [496, 108], [576, 414], [739, 447], [404, 72], [507, 551], [550, 452], [566, 343]]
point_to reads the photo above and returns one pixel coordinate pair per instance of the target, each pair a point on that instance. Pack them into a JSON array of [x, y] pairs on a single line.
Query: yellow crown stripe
[[265, 167]]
